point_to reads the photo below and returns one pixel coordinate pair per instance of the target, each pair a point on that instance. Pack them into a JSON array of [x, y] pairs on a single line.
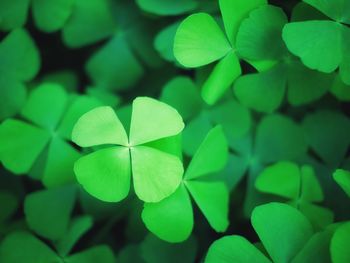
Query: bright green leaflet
[[177, 227], [234, 249], [89, 22], [300, 186], [57, 203], [259, 39], [282, 230], [200, 41], [156, 174], [340, 244], [342, 177], [167, 7], [52, 150]]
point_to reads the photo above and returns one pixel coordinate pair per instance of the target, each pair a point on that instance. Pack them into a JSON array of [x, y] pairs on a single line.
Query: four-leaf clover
[[106, 173]]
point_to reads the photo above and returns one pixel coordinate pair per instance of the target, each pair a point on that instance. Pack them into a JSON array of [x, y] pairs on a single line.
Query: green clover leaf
[[39, 145], [200, 41], [277, 137], [176, 224], [260, 39], [342, 177], [33, 250], [283, 231], [20, 62], [333, 36], [106, 173], [57, 203], [340, 243], [300, 186]]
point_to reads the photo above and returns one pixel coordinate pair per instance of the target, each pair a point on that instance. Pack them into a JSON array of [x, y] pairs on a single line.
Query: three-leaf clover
[[300, 186], [277, 137], [260, 39], [172, 218], [199, 41], [106, 173], [39, 144], [20, 62], [309, 39], [285, 233]]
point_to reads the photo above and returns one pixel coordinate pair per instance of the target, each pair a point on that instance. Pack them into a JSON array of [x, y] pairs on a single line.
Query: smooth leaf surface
[[211, 155], [20, 145], [152, 120], [199, 41], [99, 126], [57, 203], [282, 229], [156, 174], [214, 206], [105, 174], [172, 218], [234, 249]]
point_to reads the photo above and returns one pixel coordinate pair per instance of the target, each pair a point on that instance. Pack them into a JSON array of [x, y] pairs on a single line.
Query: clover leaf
[[57, 203], [300, 186], [260, 39], [105, 174], [342, 177], [177, 223], [33, 250], [283, 231], [20, 62], [277, 137], [340, 243], [333, 36], [39, 143], [200, 41]]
